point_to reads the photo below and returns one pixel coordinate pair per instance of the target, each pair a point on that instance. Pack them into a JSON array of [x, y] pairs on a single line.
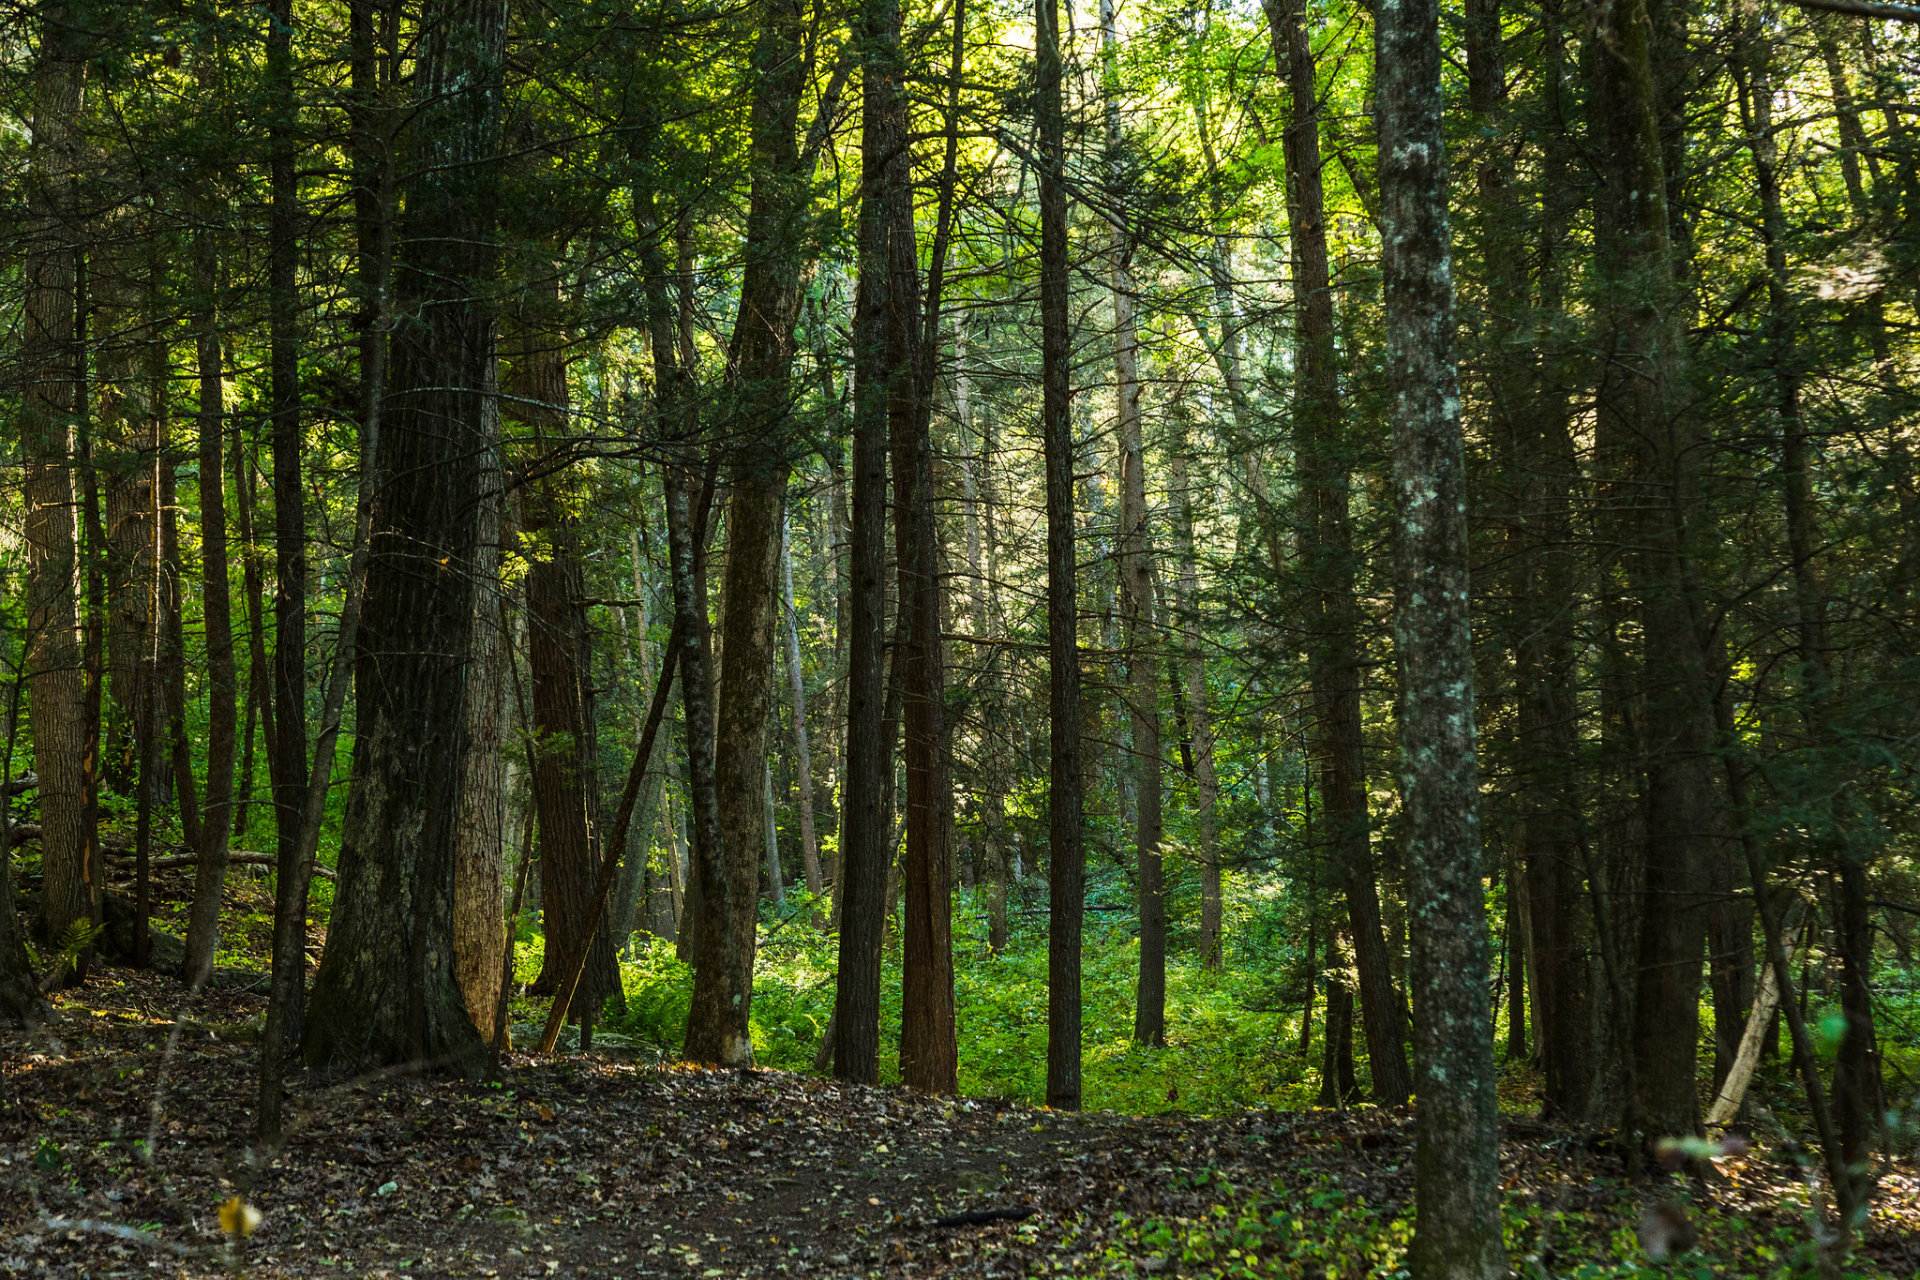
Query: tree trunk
[[53, 369], [1198, 711], [884, 364], [1731, 1098], [560, 664], [1644, 450], [259, 668], [762, 360], [387, 991], [289, 514], [776, 878], [1136, 586], [480, 837], [1456, 1168], [802, 761], [1333, 658], [203, 927], [696, 694], [1066, 836]]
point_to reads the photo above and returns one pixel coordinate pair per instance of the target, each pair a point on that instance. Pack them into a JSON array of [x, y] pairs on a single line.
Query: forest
[[1298, 623]]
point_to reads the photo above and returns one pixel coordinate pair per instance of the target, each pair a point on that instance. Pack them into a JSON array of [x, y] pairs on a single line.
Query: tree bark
[[386, 992], [203, 927], [289, 513], [1329, 559], [565, 773], [1198, 712], [480, 837], [1456, 1164], [53, 368], [1644, 449], [1136, 584], [1066, 836], [797, 689], [761, 369], [884, 366]]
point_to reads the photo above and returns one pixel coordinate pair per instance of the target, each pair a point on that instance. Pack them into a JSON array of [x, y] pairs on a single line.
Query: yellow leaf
[[238, 1218]]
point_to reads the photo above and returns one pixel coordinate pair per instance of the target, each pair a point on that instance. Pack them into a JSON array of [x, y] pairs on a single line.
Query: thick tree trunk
[[1456, 1167], [1333, 659], [387, 991], [53, 369], [1066, 836]]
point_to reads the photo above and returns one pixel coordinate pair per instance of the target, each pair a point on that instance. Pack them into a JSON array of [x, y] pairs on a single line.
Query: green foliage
[[1222, 1052], [1317, 1227]]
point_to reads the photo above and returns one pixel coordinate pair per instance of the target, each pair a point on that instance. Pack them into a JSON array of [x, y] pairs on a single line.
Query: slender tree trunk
[[259, 667], [929, 1044], [49, 412], [1066, 836], [1456, 1164], [776, 878], [480, 838], [387, 991], [1514, 962], [687, 566], [1731, 1097], [1198, 711], [975, 479], [884, 366], [203, 927], [289, 508], [1136, 586], [560, 664], [1333, 660], [797, 688]]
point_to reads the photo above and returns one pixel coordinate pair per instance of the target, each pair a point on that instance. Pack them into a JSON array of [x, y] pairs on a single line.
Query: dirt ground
[[125, 1127]]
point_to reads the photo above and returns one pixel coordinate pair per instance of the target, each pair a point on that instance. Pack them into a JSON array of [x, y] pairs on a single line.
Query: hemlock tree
[[387, 991]]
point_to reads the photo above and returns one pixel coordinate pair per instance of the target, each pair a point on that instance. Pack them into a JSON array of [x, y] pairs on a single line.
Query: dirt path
[[595, 1167]]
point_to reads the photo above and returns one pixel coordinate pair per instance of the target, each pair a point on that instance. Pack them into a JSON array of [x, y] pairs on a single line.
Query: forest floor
[[125, 1126]]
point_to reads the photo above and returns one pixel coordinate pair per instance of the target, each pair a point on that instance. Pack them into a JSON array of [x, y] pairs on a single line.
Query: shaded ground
[[591, 1167]]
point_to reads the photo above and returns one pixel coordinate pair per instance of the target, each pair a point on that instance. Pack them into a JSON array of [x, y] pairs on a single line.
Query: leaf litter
[[125, 1132]]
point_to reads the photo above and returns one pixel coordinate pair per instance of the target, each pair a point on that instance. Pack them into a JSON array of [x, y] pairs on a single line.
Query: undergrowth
[[1222, 1052]]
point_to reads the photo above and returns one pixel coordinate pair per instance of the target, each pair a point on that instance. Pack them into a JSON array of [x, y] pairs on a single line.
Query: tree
[[761, 365], [50, 410], [1456, 1164], [1333, 659], [1136, 589], [884, 360], [386, 991], [1647, 458], [1066, 840]]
